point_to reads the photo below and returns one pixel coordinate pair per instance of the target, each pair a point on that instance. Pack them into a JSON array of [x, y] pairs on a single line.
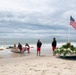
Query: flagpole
[[69, 35]]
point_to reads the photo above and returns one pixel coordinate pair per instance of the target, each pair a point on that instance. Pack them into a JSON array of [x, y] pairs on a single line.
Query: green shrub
[[65, 49]]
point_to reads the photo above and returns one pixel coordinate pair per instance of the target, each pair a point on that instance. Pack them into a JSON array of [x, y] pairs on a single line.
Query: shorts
[[38, 49], [53, 48], [20, 49], [28, 49]]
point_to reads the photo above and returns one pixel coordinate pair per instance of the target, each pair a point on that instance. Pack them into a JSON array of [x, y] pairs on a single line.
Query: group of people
[[21, 48], [39, 44]]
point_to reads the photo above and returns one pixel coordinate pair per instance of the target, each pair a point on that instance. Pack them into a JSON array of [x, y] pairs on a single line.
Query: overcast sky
[[54, 11], [47, 17]]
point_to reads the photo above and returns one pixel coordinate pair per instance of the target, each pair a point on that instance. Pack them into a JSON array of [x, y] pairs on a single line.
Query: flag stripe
[[72, 22]]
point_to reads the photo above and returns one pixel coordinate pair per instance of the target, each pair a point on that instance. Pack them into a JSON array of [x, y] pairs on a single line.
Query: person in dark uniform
[[20, 47], [54, 44], [39, 44]]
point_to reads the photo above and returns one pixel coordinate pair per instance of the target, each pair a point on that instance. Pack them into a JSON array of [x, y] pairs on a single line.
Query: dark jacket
[[19, 46], [39, 44], [54, 43]]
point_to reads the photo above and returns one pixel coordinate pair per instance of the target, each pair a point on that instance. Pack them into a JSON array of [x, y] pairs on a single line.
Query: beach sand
[[37, 65], [46, 64]]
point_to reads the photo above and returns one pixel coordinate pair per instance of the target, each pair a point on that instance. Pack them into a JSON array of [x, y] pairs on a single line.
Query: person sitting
[[15, 46]]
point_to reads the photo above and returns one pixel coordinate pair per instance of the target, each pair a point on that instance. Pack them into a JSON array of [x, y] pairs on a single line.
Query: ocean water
[[45, 42], [45, 49], [11, 41]]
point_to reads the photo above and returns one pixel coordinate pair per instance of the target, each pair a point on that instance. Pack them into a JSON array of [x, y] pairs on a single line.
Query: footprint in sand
[[15, 65], [43, 72], [2, 65]]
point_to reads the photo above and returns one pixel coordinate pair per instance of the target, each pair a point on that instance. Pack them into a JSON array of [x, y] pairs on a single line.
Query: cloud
[[38, 18]]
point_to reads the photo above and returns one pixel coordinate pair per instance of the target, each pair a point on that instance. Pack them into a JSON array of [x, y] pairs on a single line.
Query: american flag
[[72, 22]]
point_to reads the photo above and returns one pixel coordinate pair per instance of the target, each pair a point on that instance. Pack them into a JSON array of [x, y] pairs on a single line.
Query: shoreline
[[46, 49]]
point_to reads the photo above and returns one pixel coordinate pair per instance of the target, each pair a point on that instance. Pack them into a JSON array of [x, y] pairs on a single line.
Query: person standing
[[20, 47], [54, 44], [39, 44]]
